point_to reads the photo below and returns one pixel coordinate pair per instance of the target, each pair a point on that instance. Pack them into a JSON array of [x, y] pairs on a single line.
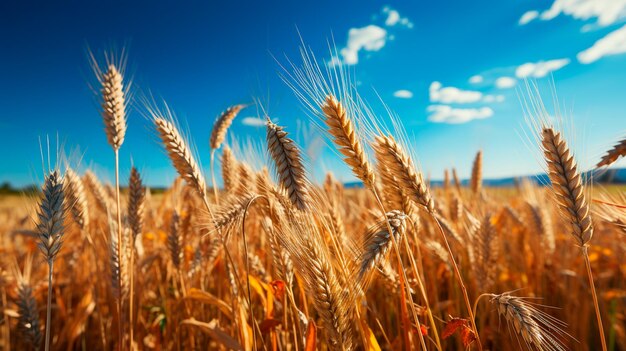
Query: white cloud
[[540, 69], [528, 16], [606, 11], [394, 18], [493, 98], [369, 38], [451, 95], [612, 44], [253, 122], [447, 114], [477, 79], [403, 94], [505, 82]]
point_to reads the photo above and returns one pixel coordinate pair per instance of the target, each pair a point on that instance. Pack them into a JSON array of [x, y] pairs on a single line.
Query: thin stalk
[[49, 306], [131, 269], [595, 298], [460, 281], [119, 246], [402, 272], [215, 192], [420, 283]]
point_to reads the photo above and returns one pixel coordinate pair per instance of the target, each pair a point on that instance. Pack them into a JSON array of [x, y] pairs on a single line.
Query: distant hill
[[606, 176]]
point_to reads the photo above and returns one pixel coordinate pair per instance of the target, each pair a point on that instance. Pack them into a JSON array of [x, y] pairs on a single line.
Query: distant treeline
[[7, 189]]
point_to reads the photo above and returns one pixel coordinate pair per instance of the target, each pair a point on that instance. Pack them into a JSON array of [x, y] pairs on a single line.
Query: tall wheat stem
[[215, 192], [595, 298], [49, 306], [459, 279], [119, 247]]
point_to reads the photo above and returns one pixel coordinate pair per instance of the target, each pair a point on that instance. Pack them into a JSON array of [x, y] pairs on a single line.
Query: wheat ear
[[538, 330], [289, 167], [229, 169], [341, 127], [77, 198], [612, 155], [378, 241], [391, 154], [567, 184], [175, 241], [28, 320], [476, 181], [218, 134], [180, 154], [97, 190]]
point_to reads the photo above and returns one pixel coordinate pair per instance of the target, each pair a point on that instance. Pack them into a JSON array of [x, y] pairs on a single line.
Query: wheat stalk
[[612, 155], [289, 166]]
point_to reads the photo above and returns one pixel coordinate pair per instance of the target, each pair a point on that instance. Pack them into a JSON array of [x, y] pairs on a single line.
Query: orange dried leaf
[[452, 326], [278, 287], [467, 336], [311, 337], [269, 325]]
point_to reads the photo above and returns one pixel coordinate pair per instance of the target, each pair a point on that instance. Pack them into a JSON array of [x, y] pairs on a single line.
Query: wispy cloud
[[528, 16], [403, 94], [612, 44], [394, 18], [505, 82], [477, 79], [253, 122], [540, 69], [493, 98], [368, 38], [452, 95], [448, 114], [607, 12]]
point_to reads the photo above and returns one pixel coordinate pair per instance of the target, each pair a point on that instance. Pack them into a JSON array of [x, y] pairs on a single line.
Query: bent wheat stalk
[[218, 134], [612, 155], [570, 198]]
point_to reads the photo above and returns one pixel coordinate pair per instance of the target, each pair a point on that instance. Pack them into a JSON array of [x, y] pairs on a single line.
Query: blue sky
[[451, 70]]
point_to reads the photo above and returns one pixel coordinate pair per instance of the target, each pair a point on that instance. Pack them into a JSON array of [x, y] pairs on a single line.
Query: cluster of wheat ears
[[273, 261]]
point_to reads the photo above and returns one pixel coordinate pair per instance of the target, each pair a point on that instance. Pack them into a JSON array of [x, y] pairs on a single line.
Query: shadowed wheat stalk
[[136, 199], [476, 181]]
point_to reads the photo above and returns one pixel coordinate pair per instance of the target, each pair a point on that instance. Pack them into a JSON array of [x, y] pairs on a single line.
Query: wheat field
[[269, 259]]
